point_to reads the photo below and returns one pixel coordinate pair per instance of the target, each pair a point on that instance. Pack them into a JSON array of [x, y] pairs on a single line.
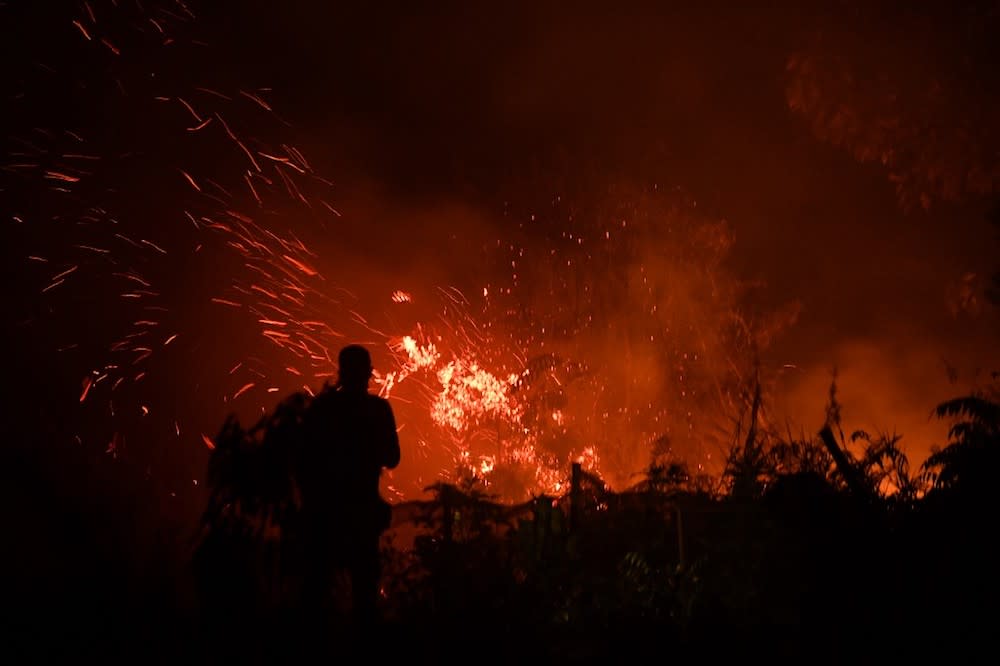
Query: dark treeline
[[800, 550]]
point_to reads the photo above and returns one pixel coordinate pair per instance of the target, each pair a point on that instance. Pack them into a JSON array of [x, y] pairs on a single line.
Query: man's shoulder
[[378, 402], [334, 399]]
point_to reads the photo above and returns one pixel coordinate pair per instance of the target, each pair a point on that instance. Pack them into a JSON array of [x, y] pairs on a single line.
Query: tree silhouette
[[248, 521], [969, 463]]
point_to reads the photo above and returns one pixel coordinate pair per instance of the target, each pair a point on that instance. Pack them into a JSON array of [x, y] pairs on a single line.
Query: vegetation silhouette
[[782, 557]]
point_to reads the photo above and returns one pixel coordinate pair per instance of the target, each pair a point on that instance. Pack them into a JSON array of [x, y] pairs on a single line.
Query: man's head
[[354, 367]]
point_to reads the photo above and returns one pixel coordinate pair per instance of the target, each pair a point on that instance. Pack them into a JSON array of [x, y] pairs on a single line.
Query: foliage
[[969, 462], [251, 509], [671, 556], [886, 469], [250, 471]]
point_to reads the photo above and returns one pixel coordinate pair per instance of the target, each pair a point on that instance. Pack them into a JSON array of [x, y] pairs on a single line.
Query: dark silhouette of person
[[351, 438]]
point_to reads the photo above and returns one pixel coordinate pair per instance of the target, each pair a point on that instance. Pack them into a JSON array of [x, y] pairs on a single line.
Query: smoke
[[556, 108], [474, 160], [888, 388], [627, 327]]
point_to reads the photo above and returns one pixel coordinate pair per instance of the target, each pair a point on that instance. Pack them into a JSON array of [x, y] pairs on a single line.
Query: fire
[[467, 400], [469, 395], [419, 357], [588, 458]]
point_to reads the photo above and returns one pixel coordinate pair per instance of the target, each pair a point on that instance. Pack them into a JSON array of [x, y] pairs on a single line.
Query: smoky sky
[[411, 107], [491, 104], [524, 101]]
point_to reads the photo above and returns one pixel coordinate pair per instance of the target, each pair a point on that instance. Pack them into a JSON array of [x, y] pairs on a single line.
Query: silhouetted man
[[351, 438]]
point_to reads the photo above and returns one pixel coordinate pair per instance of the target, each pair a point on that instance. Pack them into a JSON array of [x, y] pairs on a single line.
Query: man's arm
[[389, 453]]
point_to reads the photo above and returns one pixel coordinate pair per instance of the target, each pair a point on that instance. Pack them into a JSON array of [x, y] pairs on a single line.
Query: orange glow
[[591, 331]]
